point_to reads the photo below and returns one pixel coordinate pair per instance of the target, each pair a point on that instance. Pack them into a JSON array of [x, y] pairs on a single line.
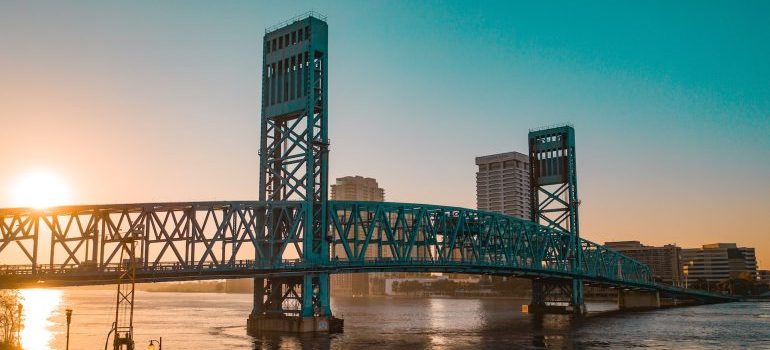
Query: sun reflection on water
[[39, 306]]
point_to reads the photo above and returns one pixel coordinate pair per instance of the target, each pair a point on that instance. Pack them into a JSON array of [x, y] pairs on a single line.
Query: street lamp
[[151, 346], [69, 320]]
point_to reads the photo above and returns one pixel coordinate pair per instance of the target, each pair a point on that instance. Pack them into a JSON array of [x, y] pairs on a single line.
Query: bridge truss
[[82, 244]]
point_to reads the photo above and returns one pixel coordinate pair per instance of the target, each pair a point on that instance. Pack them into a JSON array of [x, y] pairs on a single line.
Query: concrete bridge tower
[[294, 166]]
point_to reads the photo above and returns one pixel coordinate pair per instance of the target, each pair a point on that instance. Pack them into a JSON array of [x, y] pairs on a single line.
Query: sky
[[149, 101]]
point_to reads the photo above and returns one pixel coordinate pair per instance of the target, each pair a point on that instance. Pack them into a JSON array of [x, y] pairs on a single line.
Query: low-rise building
[[663, 261], [718, 262]]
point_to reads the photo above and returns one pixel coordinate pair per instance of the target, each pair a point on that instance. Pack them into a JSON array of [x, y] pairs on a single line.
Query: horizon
[[159, 102]]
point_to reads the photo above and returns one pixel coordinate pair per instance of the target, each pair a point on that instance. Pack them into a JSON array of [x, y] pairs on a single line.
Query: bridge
[[214, 240], [191, 241], [294, 237]]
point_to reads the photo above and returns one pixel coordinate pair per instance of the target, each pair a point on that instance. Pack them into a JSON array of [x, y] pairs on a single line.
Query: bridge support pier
[[638, 300], [552, 296], [293, 304]]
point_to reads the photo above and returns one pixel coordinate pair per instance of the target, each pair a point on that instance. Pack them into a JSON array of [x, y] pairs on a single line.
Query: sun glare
[[40, 190], [39, 306]]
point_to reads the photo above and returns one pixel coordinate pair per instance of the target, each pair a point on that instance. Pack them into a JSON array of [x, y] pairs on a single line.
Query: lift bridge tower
[[554, 203], [293, 157]]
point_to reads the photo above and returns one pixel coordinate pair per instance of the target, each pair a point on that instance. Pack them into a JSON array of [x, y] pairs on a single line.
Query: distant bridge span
[[80, 245]]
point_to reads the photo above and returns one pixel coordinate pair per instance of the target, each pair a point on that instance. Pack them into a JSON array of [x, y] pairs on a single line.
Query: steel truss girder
[[185, 235], [221, 239], [399, 233], [220, 235]]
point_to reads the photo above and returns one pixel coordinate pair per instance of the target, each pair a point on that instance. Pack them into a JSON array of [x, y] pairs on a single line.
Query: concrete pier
[[554, 309], [257, 324], [638, 300], [287, 324]]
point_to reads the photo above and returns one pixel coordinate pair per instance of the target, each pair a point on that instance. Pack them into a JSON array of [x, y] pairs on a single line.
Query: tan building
[[355, 188], [718, 262], [502, 184], [663, 261]]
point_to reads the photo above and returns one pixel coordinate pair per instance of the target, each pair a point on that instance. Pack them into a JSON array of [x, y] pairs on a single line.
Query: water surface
[[198, 321]]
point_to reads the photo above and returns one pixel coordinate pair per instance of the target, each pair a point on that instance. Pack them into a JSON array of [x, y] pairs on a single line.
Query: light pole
[[69, 320], [151, 346]]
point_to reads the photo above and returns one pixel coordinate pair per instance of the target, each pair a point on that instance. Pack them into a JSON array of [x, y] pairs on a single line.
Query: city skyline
[[665, 122]]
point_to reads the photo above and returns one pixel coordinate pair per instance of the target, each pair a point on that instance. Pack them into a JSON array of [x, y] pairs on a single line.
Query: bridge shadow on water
[[395, 323]]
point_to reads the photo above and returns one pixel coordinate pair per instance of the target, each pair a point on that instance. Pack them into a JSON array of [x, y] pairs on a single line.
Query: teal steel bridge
[[294, 236], [80, 245]]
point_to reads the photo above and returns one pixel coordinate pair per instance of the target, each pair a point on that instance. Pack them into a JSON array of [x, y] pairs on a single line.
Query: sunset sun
[[40, 190]]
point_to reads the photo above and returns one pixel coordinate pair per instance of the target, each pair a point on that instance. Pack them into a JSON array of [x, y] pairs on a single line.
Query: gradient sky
[[159, 101]]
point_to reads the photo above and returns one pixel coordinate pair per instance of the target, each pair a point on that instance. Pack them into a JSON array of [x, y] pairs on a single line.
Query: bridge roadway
[[214, 240]]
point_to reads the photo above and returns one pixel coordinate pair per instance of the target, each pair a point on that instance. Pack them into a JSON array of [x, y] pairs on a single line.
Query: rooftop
[[502, 157], [295, 19]]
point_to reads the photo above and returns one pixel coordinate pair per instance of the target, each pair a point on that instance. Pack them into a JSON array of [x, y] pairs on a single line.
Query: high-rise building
[[502, 184], [718, 262], [355, 188], [663, 261]]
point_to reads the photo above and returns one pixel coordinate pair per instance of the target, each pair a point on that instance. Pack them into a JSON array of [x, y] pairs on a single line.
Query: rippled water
[[197, 321]]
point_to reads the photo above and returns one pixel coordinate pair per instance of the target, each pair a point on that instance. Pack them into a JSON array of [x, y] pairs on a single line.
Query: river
[[198, 321]]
